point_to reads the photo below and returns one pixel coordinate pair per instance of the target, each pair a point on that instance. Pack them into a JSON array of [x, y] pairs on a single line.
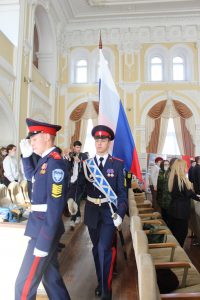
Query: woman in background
[[181, 194], [163, 195], [10, 166]]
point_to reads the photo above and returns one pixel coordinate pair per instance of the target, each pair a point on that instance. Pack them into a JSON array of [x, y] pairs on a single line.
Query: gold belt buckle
[[98, 201]]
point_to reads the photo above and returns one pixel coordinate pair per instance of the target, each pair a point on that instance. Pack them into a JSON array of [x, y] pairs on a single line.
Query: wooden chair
[[147, 281], [5, 200], [24, 188], [16, 195]]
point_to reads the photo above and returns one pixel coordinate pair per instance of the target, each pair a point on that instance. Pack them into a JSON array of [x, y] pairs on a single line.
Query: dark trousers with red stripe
[[36, 269], [104, 254]]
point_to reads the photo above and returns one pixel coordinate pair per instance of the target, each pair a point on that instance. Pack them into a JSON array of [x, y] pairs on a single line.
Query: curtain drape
[[156, 130], [79, 117], [185, 125], [153, 144], [153, 126], [163, 132], [188, 145], [90, 113], [76, 135]]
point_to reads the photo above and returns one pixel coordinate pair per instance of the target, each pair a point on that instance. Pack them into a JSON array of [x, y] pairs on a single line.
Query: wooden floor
[[77, 266]]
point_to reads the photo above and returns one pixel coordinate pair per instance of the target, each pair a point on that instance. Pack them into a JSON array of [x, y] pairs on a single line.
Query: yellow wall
[[6, 49]]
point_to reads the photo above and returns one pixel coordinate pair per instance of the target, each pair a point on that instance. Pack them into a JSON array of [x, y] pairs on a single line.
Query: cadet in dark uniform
[[98, 215], [45, 225]]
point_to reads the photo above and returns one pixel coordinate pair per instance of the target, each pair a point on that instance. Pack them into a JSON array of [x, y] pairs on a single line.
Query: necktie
[[101, 164]]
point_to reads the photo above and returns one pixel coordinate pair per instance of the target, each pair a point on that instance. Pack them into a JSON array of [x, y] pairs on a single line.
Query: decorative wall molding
[[129, 38]]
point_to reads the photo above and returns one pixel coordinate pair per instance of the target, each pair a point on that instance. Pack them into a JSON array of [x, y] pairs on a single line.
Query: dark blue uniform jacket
[[49, 187], [95, 213]]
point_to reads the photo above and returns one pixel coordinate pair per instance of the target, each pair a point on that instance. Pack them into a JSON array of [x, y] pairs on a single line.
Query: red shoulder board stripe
[[117, 158], [55, 155]]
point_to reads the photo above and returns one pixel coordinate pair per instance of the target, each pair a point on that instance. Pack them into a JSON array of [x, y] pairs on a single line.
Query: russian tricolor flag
[[112, 114]]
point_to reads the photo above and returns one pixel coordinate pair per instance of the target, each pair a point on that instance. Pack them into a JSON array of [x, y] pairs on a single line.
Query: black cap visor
[[30, 134]]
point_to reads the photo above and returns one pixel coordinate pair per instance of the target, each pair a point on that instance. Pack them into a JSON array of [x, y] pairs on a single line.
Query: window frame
[[151, 65], [185, 52], [76, 68], [76, 55], [156, 51]]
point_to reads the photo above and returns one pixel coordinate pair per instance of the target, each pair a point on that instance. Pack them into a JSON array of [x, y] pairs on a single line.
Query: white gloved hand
[[72, 206], [117, 220], [26, 148], [39, 253]]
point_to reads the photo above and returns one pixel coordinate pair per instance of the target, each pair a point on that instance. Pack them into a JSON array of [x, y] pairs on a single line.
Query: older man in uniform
[[45, 225], [100, 218]]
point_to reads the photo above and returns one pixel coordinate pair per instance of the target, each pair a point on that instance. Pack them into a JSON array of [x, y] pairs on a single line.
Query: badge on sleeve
[[58, 175]]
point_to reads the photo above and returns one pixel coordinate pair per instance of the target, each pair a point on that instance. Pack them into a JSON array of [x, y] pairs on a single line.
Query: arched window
[[156, 69], [178, 68], [81, 71], [181, 64]]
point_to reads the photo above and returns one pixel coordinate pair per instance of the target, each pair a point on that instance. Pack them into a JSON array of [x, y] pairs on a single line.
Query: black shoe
[[98, 291], [107, 296]]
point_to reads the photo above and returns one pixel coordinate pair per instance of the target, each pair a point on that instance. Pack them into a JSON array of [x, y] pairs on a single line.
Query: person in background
[[45, 225], [10, 165], [101, 219], [3, 153], [153, 180], [77, 179], [127, 180], [163, 195], [180, 205], [196, 175], [191, 171]]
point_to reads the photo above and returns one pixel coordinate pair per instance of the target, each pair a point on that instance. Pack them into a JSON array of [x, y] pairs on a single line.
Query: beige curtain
[[153, 144], [150, 124], [154, 114], [188, 145], [79, 117], [90, 113], [76, 135], [185, 113], [83, 131], [163, 132], [76, 116]]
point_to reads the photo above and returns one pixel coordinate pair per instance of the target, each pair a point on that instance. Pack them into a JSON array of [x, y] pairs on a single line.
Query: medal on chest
[[43, 169], [110, 172]]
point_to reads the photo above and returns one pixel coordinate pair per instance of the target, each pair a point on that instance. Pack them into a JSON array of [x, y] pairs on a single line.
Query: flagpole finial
[[100, 41]]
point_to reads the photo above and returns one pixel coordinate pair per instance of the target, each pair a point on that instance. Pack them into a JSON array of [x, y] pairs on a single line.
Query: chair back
[[147, 280]]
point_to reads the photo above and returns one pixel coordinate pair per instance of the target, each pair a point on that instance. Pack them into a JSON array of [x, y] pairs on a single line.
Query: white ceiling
[[78, 13]]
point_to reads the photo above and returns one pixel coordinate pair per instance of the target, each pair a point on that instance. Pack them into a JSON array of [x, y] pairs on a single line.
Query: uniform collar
[[47, 151]]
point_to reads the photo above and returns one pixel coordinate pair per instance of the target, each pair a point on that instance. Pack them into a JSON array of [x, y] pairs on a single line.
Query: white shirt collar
[[47, 151]]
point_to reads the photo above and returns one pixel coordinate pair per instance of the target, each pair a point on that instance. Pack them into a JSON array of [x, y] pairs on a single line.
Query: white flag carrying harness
[[99, 181]]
